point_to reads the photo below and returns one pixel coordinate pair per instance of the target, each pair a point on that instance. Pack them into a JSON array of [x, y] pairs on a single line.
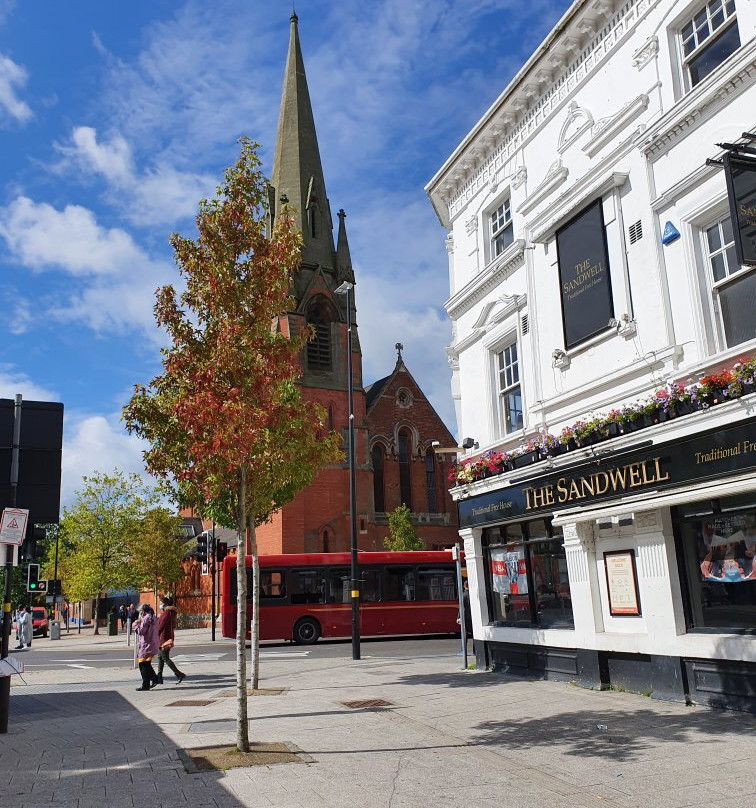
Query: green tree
[[98, 534], [403, 535], [225, 420], [157, 551]]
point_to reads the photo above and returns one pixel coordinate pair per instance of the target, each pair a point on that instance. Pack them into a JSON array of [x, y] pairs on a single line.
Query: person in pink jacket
[[147, 646]]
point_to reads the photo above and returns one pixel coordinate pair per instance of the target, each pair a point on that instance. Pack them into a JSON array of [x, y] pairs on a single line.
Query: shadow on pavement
[[96, 747]]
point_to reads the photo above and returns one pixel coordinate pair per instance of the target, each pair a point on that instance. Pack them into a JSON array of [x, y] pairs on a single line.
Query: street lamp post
[[346, 289]]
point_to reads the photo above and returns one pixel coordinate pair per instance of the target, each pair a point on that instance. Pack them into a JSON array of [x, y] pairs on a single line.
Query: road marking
[[190, 658], [85, 667], [284, 654]]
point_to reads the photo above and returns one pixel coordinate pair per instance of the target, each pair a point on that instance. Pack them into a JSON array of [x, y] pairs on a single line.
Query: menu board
[[622, 584]]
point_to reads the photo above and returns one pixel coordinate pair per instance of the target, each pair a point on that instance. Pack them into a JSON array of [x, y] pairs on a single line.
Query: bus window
[[436, 584], [272, 584], [400, 583], [369, 588], [339, 586], [307, 586]]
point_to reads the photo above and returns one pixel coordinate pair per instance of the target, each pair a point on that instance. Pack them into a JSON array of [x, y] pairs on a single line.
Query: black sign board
[[740, 173], [584, 275], [39, 460], [710, 455]]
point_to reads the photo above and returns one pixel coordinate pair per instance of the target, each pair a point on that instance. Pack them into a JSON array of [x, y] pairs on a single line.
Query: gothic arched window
[[380, 505], [319, 317], [430, 480], [405, 453]]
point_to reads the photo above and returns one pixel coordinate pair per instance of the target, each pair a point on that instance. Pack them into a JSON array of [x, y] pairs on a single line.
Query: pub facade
[[602, 298]]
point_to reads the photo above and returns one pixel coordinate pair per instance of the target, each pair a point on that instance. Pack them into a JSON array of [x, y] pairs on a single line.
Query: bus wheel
[[306, 631]]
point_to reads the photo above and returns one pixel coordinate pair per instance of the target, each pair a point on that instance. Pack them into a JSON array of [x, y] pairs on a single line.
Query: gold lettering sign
[[640, 474]]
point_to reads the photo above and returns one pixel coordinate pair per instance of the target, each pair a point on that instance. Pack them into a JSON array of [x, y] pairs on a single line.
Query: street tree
[[225, 420], [97, 534], [157, 551], [403, 535]]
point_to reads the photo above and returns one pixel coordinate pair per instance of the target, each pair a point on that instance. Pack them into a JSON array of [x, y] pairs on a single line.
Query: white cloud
[[161, 194], [115, 279], [13, 76], [96, 443], [13, 381]]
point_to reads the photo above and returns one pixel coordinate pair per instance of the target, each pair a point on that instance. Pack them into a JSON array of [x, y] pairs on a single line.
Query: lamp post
[[346, 289]]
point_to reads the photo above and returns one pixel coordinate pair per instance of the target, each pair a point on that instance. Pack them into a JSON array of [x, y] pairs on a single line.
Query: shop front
[[631, 565]]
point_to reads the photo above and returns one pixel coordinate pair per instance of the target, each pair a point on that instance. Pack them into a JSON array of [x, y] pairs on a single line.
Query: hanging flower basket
[[525, 459]]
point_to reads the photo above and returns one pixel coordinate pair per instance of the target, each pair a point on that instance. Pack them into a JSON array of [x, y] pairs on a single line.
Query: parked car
[[40, 624]]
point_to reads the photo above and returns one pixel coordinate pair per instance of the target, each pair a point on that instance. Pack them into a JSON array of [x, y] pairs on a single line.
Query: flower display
[[668, 402]]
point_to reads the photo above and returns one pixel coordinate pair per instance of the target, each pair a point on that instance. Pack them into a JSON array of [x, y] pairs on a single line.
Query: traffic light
[[33, 583], [201, 551], [31, 549], [221, 551]]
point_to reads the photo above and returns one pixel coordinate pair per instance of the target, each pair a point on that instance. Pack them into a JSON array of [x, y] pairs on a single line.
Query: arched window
[[380, 505], [319, 317], [326, 541], [430, 481], [405, 452]]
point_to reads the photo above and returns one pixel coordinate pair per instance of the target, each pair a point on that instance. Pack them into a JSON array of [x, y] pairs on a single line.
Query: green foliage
[[157, 551], [403, 534]]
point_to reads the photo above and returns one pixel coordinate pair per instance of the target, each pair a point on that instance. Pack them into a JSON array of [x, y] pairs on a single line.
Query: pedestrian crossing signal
[[33, 582]]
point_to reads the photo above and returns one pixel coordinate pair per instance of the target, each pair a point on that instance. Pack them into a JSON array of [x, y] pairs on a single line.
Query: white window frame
[[711, 7], [501, 390], [499, 224], [732, 273]]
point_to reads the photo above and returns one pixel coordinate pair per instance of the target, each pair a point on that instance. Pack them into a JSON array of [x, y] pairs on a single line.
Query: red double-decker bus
[[307, 596]]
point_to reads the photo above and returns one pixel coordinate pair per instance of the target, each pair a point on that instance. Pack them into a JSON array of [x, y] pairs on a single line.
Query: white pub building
[[601, 223]]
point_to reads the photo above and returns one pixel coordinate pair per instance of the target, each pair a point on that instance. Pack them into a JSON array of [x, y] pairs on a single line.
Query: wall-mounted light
[[469, 443], [559, 358]]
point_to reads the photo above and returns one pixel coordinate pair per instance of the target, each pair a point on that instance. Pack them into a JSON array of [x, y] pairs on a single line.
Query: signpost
[[13, 526]]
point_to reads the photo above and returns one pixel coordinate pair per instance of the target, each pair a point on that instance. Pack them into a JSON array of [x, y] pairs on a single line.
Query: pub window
[[377, 453], [501, 228], [405, 453], [733, 286], [707, 39], [716, 554], [509, 392], [430, 481], [527, 580]]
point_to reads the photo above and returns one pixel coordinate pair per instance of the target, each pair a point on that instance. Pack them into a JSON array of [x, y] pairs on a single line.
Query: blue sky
[[116, 118]]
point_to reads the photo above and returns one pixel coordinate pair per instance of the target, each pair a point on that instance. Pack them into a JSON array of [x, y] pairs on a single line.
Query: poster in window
[[508, 571], [727, 549], [622, 584], [740, 173], [584, 275]]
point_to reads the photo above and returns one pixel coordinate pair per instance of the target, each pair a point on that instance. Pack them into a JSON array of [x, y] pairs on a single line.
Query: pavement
[[444, 738]]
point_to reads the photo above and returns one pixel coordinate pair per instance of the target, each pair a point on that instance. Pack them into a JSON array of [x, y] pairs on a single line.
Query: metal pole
[[461, 593], [352, 493], [55, 574], [6, 627], [212, 595]]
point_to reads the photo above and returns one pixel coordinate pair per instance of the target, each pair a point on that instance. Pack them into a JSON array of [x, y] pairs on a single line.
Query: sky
[[116, 118]]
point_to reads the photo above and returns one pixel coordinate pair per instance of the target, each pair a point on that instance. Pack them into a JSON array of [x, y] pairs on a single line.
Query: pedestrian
[[132, 615], [18, 628], [147, 646], [25, 628], [64, 614], [122, 614], [166, 626]]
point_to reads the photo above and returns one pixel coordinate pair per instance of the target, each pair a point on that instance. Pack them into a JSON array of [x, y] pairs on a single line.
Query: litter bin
[[55, 629], [112, 625]]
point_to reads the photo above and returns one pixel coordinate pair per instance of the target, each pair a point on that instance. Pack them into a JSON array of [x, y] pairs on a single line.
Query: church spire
[[297, 171], [344, 270]]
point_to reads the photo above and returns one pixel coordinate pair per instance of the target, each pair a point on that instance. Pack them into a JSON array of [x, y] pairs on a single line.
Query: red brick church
[[395, 424]]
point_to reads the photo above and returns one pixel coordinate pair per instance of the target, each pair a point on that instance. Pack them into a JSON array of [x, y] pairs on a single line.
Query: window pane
[[727, 230], [551, 582], [717, 19], [369, 587], [718, 267], [509, 584], [700, 18], [400, 584], [712, 236], [737, 301], [732, 260], [730, 6], [714, 54], [687, 32], [513, 409], [272, 584], [436, 584], [307, 586], [719, 562], [339, 585]]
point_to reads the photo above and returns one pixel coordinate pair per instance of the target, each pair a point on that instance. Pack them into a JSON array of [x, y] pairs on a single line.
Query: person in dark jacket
[[166, 626], [147, 646]]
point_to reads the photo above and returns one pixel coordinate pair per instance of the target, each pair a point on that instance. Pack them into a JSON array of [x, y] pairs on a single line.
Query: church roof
[[297, 170], [374, 390]]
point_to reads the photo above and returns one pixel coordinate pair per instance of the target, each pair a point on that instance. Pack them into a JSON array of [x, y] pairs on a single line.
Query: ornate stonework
[[646, 53]]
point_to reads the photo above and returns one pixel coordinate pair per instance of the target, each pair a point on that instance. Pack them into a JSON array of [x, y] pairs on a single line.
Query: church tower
[[318, 519]]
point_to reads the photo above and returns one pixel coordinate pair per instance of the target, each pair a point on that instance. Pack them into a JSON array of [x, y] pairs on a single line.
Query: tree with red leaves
[[225, 420]]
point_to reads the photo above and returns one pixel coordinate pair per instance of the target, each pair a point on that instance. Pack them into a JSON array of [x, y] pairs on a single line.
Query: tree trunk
[[242, 726], [255, 652], [96, 613]]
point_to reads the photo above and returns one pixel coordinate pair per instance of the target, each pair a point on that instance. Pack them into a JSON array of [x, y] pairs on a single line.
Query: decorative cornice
[[577, 121], [713, 93], [681, 188], [646, 53], [491, 276], [489, 318], [519, 177], [606, 130], [471, 224], [555, 176]]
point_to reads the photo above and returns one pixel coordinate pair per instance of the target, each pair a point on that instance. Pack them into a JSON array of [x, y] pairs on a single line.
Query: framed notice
[[622, 583], [740, 174], [586, 288]]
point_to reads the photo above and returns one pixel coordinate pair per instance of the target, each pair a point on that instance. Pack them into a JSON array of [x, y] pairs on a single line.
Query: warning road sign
[[13, 526]]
